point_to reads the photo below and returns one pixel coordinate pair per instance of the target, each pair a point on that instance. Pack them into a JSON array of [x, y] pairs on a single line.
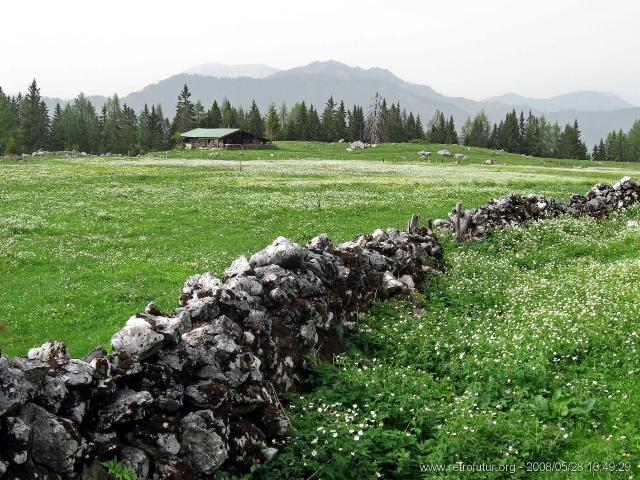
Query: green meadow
[[525, 350], [85, 243]]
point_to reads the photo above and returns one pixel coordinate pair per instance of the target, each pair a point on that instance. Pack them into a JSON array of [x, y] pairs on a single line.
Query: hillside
[[598, 113]]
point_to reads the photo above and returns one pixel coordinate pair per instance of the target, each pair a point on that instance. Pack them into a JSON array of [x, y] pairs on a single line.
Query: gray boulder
[[15, 391], [55, 442], [137, 459], [282, 252], [202, 441], [139, 341]]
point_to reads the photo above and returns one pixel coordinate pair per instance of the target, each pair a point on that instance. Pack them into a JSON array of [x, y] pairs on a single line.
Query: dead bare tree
[[374, 125]]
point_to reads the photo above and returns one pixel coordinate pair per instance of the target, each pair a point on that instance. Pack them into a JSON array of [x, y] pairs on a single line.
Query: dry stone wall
[[187, 393], [515, 209]]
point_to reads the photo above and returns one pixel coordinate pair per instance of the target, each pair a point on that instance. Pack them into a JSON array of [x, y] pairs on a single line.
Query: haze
[[463, 48]]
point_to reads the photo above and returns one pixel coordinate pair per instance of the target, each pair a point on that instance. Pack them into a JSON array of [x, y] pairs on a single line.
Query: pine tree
[[8, 126], [214, 116], [510, 133], [111, 126], [410, 128], [273, 128], [355, 129], [255, 124], [185, 112], [129, 132], [341, 121], [419, 129], [228, 115], [328, 121], [451, 135], [34, 122], [314, 128], [199, 115]]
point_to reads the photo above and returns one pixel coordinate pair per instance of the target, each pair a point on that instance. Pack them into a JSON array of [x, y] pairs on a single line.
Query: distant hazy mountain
[[221, 70], [584, 101], [598, 113]]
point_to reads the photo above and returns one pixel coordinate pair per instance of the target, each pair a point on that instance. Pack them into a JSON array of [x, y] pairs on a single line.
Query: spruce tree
[[8, 126], [228, 115], [328, 121], [273, 128], [34, 122], [341, 121], [314, 128], [214, 116], [185, 112], [255, 124]]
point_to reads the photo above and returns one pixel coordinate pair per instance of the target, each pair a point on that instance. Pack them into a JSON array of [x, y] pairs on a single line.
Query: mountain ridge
[[315, 82]]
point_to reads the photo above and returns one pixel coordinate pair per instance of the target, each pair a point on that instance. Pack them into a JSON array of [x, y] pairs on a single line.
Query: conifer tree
[[273, 128], [328, 121], [8, 126], [199, 115], [228, 115], [34, 122], [314, 128], [341, 121], [255, 124], [214, 116], [185, 112]]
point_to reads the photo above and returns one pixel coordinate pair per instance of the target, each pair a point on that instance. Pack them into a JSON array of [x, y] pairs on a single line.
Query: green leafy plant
[[118, 471]]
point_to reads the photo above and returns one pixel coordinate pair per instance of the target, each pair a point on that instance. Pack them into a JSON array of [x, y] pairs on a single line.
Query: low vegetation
[[522, 355]]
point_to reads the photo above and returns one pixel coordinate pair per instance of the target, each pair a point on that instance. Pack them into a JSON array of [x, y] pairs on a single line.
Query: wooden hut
[[223, 138]]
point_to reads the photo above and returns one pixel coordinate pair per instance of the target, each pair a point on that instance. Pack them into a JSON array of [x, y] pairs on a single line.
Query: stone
[[51, 394], [34, 371], [269, 454], [207, 394], [239, 268], [139, 341], [15, 390], [137, 459], [16, 440], [76, 373], [202, 441], [407, 281], [170, 327], [281, 252], [126, 406], [49, 352], [390, 284], [55, 442]]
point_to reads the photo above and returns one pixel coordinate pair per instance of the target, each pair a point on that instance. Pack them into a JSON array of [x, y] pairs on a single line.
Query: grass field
[[526, 349], [85, 243]]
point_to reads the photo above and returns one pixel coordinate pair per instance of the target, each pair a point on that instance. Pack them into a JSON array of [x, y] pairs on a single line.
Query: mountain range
[[597, 112]]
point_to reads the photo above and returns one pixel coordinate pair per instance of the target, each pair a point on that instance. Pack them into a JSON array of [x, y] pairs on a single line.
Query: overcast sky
[[465, 48]]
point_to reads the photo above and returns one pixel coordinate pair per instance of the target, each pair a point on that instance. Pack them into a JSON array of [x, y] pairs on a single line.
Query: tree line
[[619, 146], [533, 135], [26, 126], [334, 121]]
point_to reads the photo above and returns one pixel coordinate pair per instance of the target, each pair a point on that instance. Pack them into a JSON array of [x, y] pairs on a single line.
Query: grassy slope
[[84, 243], [526, 350]]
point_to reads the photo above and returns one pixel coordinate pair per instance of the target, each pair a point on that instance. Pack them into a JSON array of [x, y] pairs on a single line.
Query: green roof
[[209, 132]]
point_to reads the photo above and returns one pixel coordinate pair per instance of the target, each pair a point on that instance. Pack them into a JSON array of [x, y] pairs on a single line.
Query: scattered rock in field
[[444, 153], [490, 161]]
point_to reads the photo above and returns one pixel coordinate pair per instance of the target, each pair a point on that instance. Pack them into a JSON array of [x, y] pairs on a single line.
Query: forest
[[26, 126]]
